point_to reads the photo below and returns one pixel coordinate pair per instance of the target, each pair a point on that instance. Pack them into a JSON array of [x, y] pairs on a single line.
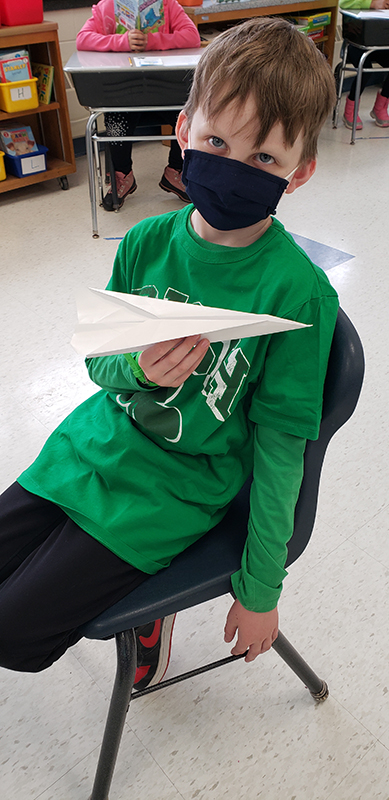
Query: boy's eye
[[216, 141], [264, 158]]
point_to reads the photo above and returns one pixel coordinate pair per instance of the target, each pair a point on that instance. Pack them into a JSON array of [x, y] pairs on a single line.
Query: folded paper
[[110, 323]]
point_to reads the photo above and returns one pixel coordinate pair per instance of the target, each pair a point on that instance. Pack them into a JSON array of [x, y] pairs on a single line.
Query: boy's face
[[232, 134]]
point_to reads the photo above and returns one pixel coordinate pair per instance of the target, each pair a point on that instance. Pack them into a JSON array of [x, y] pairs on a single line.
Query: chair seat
[[200, 573]]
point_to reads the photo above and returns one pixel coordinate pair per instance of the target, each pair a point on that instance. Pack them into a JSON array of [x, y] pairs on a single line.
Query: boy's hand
[[379, 5], [137, 41], [171, 363], [256, 631]]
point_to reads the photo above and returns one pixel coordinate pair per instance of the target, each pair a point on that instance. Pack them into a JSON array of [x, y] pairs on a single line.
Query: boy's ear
[[182, 131], [301, 176]]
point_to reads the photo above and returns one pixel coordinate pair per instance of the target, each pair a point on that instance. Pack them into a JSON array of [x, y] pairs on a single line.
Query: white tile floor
[[248, 730]]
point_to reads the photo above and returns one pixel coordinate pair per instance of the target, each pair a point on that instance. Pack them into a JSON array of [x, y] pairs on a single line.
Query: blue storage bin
[[28, 164]]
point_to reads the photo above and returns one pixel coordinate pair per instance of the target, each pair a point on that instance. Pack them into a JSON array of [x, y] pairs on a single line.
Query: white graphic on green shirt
[[145, 409], [223, 383], [224, 374]]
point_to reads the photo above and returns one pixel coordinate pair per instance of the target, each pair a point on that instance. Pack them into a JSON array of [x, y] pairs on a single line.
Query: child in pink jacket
[[176, 32]]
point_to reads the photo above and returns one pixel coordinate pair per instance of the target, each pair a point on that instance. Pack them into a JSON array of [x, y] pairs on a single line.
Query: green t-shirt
[[147, 471]]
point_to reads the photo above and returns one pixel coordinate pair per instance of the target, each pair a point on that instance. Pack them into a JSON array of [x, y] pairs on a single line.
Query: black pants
[[381, 57], [53, 578], [124, 124]]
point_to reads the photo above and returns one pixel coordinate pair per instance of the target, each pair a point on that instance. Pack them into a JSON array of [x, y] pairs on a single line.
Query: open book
[[110, 323], [146, 15]]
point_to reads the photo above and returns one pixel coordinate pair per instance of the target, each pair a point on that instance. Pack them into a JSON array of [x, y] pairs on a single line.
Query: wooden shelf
[[55, 169], [227, 13], [50, 122], [4, 115]]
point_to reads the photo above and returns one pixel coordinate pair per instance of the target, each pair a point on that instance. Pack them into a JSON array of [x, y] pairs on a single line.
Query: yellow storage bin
[[2, 167], [19, 95]]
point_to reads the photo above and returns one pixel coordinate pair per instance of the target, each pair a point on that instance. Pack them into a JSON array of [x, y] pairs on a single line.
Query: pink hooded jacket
[[98, 32]]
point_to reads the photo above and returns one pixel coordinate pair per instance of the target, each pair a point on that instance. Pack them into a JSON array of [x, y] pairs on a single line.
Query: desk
[[212, 12], [112, 82], [370, 34]]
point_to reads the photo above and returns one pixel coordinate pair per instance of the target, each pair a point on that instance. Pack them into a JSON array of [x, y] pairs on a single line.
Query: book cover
[[314, 20], [6, 54], [15, 69], [126, 15], [146, 15], [151, 15], [18, 141], [45, 75]]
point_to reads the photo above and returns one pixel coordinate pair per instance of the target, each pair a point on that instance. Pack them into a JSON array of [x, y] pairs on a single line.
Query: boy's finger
[[230, 629], [185, 357], [241, 645], [151, 355], [239, 648], [190, 360], [254, 651]]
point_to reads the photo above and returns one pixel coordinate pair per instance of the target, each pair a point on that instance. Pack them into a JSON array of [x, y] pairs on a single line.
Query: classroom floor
[[246, 731]]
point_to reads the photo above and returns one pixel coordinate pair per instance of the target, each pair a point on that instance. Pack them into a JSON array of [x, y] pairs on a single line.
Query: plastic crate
[[29, 164], [21, 12], [19, 95], [2, 167]]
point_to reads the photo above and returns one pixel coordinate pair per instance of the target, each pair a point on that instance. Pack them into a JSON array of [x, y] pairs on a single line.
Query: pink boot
[[380, 111], [348, 115]]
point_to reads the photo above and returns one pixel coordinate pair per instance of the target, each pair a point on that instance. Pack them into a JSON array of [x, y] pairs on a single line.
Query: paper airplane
[[110, 323]]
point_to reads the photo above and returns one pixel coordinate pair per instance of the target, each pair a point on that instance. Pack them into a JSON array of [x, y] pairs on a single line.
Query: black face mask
[[229, 194]]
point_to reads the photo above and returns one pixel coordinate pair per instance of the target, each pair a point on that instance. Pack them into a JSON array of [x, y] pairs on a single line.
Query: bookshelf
[[50, 123], [217, 13]]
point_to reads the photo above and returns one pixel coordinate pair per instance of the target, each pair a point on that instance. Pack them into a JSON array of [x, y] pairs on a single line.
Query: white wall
[[69, 23]]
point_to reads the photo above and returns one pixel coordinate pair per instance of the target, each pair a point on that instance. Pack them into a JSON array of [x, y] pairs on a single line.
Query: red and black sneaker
[[153, 642]]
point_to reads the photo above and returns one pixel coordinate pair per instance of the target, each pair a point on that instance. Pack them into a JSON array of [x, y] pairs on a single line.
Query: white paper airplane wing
[[113, 322]]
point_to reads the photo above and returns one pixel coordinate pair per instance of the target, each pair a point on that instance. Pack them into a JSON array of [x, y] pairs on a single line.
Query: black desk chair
[[203, 571]]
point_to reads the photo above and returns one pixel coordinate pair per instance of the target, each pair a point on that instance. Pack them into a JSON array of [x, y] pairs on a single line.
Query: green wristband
[[136, 370]]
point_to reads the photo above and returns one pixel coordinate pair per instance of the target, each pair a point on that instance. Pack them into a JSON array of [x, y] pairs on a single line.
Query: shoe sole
[[166, 647], [377, 122], [349, 125], [164, 653], [172, 190]]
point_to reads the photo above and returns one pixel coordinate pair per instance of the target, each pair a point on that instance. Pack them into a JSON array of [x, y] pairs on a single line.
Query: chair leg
[[120, 700], [317, 687]]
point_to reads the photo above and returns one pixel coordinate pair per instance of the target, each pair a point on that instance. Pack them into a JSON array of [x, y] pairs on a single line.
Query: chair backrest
[[203, 571], [341, 392]]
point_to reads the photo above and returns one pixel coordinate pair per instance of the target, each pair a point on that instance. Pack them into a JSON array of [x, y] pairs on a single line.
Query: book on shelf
[[6, 54], [45, 75], [18, 141], [15, 69], [145, 15], [313, 21]]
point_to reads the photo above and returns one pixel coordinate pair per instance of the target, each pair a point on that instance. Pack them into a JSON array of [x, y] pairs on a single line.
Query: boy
[[146, 466]]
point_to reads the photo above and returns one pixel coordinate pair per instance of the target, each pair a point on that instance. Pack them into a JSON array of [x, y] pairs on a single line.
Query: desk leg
[[340, 84], [90, 127], [358, 94]]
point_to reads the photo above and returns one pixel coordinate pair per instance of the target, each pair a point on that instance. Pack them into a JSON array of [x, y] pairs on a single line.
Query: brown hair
[[269, 59]]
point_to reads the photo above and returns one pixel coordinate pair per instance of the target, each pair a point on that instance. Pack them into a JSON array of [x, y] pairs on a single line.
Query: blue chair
[[203, 571]]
